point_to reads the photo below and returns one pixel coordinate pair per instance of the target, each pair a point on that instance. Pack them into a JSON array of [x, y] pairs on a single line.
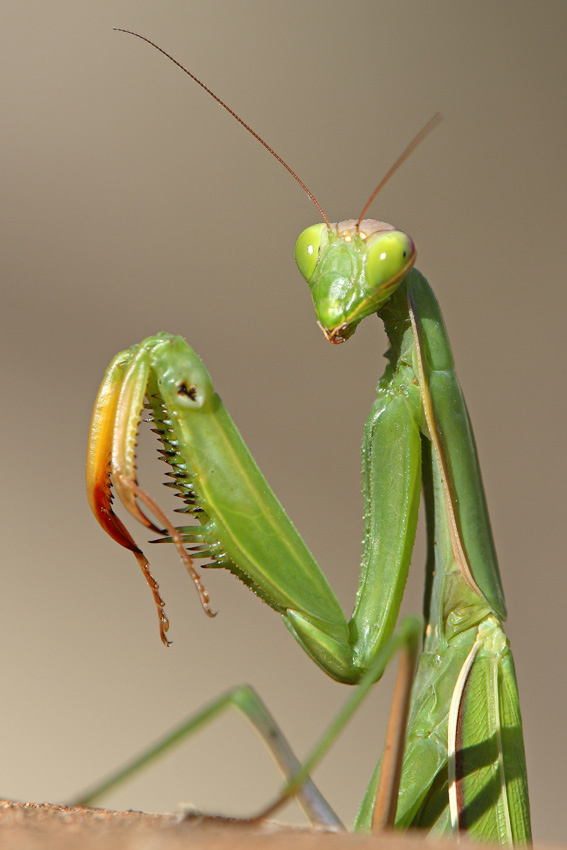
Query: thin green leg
[[406, 638], [246, 700]]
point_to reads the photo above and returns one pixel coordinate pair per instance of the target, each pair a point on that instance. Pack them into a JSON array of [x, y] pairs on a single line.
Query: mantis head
[[352, 268]]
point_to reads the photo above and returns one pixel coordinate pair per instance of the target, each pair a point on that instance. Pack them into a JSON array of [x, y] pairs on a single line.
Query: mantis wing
[[454, 446]]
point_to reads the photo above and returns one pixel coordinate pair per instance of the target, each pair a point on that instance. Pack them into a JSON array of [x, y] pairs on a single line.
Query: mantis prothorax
[[463, 764]]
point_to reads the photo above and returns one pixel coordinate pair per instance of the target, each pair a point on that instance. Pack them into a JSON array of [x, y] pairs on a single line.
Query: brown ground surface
[[42, 826]]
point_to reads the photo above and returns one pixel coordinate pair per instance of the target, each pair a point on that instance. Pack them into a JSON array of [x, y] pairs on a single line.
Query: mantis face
[[352, 271]]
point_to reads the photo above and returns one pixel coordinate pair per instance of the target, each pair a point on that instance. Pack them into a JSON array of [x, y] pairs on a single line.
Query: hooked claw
[[111, 460]]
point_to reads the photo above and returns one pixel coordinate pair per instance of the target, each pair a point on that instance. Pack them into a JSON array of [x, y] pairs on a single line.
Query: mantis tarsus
[[463, 764]]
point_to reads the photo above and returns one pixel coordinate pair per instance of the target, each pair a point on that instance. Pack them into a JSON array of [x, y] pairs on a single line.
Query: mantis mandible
[[463, 766]]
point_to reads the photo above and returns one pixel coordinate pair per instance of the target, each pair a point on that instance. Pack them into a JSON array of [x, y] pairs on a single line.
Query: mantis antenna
[[425, 131], [234, 115], [410, 148]]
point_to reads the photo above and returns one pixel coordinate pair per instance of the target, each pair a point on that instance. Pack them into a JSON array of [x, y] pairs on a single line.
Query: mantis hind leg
[[245, 699], [299, 783]]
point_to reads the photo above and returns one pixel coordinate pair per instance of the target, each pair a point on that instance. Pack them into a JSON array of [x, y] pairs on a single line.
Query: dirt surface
[[43, 826]]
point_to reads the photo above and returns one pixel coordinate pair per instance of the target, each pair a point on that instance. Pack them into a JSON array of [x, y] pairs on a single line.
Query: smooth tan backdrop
[[130, 204]]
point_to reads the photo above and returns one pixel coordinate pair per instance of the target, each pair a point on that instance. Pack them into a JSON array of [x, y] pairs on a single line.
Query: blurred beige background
[[130, 204]]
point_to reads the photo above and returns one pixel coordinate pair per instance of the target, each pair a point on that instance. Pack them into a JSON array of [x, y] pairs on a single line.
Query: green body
[[464, 763]]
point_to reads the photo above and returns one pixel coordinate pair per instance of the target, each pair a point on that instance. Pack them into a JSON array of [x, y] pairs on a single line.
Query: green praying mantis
[[461, 765]]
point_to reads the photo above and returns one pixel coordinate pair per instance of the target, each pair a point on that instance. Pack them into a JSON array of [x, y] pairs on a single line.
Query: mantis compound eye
[[308, 249], [389, 257]]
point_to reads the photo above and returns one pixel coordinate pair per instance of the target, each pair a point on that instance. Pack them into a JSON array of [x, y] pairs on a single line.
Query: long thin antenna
[[433, 122], [234, 115]]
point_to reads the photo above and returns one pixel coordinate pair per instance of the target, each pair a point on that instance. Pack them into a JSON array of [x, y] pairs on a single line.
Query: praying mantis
[[462, 768]]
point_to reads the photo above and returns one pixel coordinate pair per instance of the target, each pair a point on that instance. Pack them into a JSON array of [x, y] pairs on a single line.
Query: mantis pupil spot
[[190, 392]]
